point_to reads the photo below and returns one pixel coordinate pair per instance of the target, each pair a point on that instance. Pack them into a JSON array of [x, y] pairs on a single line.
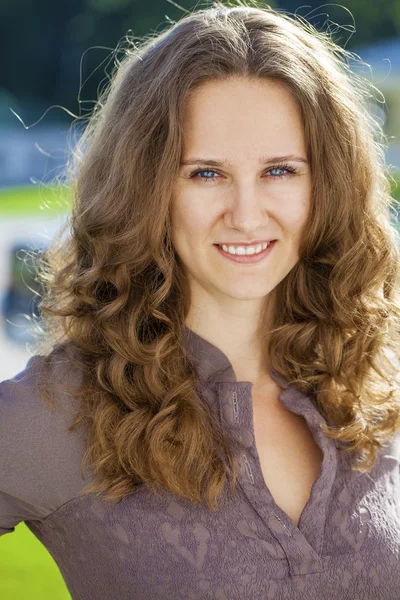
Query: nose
[[247, 208]]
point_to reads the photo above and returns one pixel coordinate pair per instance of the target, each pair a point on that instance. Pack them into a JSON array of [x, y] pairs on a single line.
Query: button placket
[[235, 407], [236, 420], [244, 458], [302, 557], [283, 524]]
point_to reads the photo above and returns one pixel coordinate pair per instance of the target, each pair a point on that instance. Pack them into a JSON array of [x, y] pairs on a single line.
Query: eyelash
[[283, 167]]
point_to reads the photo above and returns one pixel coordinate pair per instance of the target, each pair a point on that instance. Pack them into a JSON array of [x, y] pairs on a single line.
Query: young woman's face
[[261, 190]]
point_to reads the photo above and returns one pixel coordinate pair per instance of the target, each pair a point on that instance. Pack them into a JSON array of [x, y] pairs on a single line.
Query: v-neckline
[[302, 543]]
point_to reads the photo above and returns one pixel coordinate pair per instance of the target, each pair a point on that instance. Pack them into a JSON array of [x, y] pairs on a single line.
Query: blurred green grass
[[27, 570], [32, 200], [396, 187]]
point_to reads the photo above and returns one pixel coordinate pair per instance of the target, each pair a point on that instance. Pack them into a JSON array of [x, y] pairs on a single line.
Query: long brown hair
[[115, 295]]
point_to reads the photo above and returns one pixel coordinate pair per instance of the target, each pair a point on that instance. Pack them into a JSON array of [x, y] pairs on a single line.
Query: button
[[244, 458], [235, 407]]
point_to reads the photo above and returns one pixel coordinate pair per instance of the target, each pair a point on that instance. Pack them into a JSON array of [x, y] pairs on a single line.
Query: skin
[[239, 120]]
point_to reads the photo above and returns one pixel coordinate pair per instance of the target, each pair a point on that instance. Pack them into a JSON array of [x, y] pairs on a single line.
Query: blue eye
[[195, 173], [288, 172], [276, 169]]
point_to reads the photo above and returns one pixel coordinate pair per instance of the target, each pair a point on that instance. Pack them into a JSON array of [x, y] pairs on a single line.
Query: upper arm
[[39, 458]]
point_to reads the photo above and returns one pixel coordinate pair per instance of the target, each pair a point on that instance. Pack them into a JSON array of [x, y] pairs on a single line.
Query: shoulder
[[40, 459]]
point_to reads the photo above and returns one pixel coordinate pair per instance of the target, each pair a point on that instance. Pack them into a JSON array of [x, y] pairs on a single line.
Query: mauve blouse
[[346, 545]]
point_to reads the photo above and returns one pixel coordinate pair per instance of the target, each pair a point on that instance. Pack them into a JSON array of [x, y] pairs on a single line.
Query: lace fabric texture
[[346, 545]]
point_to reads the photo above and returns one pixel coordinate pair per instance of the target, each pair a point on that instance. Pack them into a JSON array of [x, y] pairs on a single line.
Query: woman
[[220, 329]]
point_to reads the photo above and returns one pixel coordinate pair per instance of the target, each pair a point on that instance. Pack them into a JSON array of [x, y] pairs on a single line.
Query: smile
[[248, 258]]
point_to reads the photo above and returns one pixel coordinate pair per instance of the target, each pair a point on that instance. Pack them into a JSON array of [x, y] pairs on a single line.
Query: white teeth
[[244, 250]]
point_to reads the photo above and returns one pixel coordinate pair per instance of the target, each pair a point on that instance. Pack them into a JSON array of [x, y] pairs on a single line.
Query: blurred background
[[57, 57]]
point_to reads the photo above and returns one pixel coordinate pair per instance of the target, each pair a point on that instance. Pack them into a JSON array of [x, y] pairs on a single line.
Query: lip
[[245, 243], [251, 258]]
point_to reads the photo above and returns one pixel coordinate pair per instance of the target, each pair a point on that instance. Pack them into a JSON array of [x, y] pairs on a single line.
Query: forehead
[[258, 93], [255, 115]]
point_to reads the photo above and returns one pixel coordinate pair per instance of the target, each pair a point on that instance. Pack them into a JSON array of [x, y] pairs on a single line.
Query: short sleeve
[[13, 510], [40, 459]]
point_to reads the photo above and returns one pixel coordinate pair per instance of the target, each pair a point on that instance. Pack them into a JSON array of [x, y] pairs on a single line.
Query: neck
[[241, 344]]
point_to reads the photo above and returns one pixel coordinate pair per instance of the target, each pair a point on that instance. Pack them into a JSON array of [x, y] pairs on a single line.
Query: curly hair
[[115, 294]]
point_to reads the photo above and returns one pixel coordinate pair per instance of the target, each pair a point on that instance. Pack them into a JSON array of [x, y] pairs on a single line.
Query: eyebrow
[[264, 160]]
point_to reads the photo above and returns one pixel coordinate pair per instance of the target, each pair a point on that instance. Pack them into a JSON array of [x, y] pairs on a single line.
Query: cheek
[[295, 215], [189, 219], [304, 212]]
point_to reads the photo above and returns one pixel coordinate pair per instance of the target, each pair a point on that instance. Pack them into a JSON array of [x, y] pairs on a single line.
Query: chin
[[248, 293]]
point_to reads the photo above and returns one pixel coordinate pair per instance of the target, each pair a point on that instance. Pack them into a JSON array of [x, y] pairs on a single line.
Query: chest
[[289, 456]]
